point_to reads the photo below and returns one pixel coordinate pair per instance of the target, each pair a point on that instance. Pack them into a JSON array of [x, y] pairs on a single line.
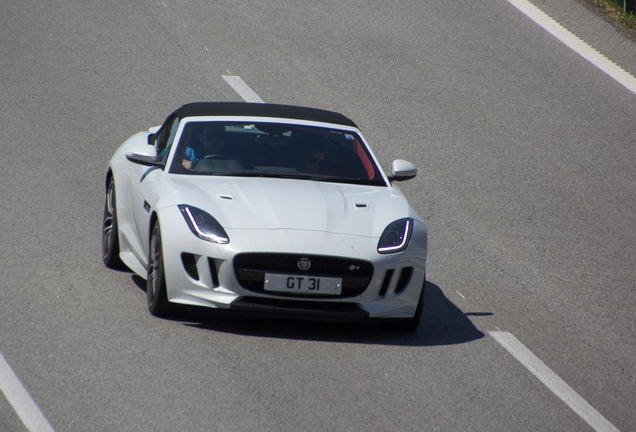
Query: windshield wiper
[[274, 175], [312, 177], [357, 181], [244, 174]]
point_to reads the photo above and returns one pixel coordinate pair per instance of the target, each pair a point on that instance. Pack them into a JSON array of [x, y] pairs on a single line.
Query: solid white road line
[[19, 398], [553, 382], [242, 89], [576, 44]]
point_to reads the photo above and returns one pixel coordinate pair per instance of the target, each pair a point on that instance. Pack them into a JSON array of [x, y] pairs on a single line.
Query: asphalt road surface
[[527, 174]]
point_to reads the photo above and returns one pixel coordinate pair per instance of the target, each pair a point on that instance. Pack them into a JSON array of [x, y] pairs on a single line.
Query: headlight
[[396, 236], [203, 225]]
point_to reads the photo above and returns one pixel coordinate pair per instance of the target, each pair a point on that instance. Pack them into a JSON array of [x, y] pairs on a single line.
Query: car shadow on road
[[443, 323]]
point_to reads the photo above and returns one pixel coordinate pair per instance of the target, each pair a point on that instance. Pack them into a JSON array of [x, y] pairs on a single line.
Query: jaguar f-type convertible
[[267, 210]]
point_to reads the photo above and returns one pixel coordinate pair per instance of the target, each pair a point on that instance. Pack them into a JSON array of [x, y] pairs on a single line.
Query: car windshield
[[274, 150]]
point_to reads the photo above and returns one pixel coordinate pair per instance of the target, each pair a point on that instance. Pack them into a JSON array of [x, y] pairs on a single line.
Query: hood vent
[[360, 204]]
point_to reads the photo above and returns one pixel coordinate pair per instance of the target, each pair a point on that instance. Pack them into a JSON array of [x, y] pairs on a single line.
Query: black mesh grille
[[250, 269], [190, 265]]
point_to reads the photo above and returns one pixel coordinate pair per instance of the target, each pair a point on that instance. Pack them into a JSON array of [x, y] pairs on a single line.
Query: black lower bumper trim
[[314, 310]]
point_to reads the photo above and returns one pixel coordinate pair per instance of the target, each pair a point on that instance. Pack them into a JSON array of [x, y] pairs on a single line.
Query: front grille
[[250, 269]]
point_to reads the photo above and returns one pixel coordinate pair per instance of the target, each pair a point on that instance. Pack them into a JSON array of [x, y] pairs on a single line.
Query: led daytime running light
[[402, 245], [195, 227]]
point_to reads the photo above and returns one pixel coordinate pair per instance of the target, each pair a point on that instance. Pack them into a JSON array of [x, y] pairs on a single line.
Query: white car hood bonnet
[[272, 204]]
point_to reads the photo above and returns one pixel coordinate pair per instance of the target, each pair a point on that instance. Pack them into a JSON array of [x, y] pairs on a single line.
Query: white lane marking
[[553, 382], [576, 44], [242, 89], [19, 398], [462, 295]]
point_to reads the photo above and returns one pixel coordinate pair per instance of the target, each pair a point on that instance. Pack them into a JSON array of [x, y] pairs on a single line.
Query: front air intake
[[214, 273], [190, 265], [250, 270], [386, 282], [404, 279]]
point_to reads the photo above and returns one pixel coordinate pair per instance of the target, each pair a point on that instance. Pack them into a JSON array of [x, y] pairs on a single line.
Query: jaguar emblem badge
[[304, 264]]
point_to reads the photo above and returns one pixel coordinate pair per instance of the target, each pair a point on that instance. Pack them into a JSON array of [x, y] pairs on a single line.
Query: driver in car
[[208, 140]]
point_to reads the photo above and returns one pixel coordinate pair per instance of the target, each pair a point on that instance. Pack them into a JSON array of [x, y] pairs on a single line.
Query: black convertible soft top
[[261, 110]]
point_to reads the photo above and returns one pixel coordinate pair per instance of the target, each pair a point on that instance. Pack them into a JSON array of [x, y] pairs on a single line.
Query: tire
[[156, 291], [410, 324], [110, 230]]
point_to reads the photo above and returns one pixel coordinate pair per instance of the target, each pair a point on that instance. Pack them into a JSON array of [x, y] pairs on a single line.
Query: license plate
[[296, 284]]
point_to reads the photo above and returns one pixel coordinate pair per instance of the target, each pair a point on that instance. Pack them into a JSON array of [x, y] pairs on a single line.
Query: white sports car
[[267, 210]]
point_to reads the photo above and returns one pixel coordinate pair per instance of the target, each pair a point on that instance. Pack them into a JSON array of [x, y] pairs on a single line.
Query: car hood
[[274, 204]]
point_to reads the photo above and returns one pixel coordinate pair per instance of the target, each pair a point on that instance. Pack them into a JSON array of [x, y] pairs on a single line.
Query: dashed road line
[[553, 382], [507, 340], [242, 89], [19, 398]]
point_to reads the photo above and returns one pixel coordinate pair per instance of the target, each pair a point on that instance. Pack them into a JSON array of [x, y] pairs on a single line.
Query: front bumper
[[200, 273]]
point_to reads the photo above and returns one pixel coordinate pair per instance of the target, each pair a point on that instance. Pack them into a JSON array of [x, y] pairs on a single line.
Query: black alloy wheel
[[110, 231], [156, 291]]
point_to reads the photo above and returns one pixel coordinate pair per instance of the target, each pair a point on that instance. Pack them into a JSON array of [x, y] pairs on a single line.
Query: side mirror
[[402, 170], [144, 155]]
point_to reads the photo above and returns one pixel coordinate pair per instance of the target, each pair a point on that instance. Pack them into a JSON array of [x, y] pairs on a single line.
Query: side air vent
[[190, 265], [405, 278], [385, 283], [214, 273]]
